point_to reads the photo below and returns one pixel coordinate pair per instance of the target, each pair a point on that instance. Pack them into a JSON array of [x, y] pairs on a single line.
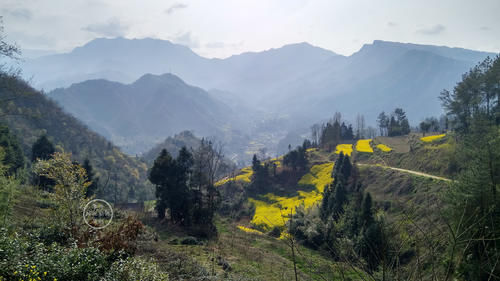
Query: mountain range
[[144, 112], [298, 84]]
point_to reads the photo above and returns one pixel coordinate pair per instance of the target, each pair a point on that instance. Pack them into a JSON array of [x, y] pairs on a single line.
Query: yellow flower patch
[[244, 176], [249, 230], [276, 161], [285, 235], [319, 176], [364, 146], [345, 148], [312, 149], [384, 148], [276, 214], [269, 215], [432, 138]]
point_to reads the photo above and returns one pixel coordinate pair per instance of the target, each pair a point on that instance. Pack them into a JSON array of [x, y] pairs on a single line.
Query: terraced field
[[275, 209], [364, 146], [344, 148], [245, 175], [432, 138]]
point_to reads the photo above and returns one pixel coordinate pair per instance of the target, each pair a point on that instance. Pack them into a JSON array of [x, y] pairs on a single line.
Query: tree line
[[185, 186]]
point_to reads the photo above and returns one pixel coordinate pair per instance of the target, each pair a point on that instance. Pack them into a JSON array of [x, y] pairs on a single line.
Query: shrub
[[190, 241], [133, 269], [275, 232], [29, 259]]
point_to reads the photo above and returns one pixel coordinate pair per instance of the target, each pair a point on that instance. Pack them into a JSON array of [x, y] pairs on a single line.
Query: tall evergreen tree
[[473, 200], [42, 149], [161, 175], [366, 216], [94, 181], [383, 123], [337, 200], [13, 158]]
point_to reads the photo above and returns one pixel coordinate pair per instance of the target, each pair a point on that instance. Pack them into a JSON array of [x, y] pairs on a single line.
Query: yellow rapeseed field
[[319, 176], [384, 147], [277, 161], [345, 148], [268, 215], [364, 146], [249, 230], [245, 176], [432, 138]]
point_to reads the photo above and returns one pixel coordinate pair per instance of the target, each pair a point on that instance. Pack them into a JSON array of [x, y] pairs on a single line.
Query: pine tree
[[42, 149], [473, 204], [366, 216], [383, 123], [337, 201], [161, 175], [92, 188], [324, 211], [13, 157], [255, 163], [346, 168]]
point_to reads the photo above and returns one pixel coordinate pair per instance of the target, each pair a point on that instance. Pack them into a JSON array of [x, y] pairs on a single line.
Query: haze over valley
[[249, 140], [137, 92]]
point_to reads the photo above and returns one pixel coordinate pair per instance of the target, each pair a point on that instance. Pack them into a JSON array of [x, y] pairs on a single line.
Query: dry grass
[[399, 144]]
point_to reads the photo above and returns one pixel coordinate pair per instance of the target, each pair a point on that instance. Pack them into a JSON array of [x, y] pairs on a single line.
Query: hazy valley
[[192, 158]]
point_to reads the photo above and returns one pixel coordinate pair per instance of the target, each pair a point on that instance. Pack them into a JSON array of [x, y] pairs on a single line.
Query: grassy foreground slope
[[409, 202], [433, 155]]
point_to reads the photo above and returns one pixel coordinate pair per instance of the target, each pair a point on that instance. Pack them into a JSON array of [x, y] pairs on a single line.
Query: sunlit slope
[[274, 212], [432, 138], [364, 146], [245, 175], [344, 148], [384, 147]]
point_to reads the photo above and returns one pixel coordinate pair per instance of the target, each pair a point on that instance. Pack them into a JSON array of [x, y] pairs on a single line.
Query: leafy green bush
[[275, 232], [20, 258], [133, 269], [25, 258], [190, 241]]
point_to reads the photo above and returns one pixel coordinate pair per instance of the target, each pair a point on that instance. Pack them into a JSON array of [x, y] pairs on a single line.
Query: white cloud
[[187, 39], [215, 26], [19, 13], [175, 7], [433, 30], [111, 28]]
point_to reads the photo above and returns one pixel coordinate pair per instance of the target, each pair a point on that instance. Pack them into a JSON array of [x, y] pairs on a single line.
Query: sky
[[221, 28]]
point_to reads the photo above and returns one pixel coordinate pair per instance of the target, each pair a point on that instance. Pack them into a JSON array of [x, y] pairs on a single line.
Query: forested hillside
[[29, 115], [136, 116]]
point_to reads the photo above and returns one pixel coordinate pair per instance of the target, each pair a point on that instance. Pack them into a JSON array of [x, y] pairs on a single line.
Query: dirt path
[[406, 171]]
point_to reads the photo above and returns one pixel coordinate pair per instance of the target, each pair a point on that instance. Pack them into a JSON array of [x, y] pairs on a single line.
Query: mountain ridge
[[147, 110]]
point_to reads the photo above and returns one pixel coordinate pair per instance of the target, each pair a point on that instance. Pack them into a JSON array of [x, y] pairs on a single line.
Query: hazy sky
[[220, 28]]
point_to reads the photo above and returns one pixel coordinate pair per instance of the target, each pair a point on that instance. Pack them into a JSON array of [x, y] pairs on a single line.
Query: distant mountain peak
[[116, 44], [158, 78], [394, 48]]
